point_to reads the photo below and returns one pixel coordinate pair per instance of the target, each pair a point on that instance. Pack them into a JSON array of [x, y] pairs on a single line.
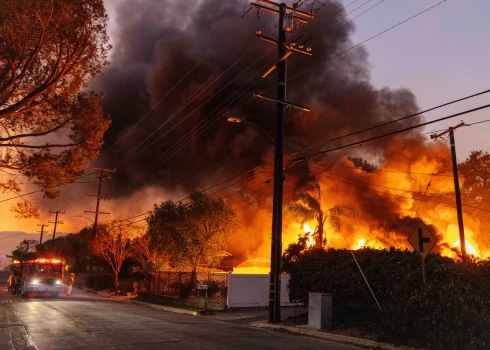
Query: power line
[[299, 159], [393, 171], [400, 119], [365, 41], [362, 13], [216, 185], [199, 129], [483, 121], [387, 187], [396, 195], [388, 193], [236, 183], [135, 149], [26, 194], [14, 235], [310, 67], [296, 160], [158, 102], [170, 153]]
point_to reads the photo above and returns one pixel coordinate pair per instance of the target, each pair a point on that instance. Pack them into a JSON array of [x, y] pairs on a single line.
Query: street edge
[[304, 330], [166, 308]]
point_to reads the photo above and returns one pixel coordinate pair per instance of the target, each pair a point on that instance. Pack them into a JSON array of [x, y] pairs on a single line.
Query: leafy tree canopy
[[476, 172], [26, 249], [112, 244], [73, 248], [49, 51], [192, 232]]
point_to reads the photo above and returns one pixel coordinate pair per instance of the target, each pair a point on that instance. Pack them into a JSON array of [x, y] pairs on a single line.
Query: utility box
[[320, 310]]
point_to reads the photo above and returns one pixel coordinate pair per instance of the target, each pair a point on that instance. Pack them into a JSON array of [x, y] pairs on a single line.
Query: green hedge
[[100, 281], [451, 312]]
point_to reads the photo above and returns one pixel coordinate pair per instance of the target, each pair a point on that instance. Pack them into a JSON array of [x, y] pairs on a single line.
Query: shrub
[[451, 312]]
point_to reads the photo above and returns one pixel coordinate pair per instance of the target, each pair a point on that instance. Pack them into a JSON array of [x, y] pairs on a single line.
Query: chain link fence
[[184, 285]]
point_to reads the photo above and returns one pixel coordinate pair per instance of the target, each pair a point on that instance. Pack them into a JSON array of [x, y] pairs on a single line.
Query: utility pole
[[99, 197], [457, 192], [56, 222], [289, 19], [42, 231], [97, 212], [26, 242]]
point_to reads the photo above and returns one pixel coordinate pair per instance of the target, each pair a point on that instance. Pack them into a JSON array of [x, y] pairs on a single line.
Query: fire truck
[[41, 275]]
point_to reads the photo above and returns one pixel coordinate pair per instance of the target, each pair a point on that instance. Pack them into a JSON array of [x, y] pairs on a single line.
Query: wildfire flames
[[309, 231], [453, 251], [391, 203], [410, 178]]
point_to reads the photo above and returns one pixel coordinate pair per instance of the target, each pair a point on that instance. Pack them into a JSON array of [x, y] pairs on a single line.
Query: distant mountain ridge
[[10, 239]]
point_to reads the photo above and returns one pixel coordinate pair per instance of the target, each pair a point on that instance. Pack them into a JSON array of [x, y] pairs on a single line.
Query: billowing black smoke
[[158, 43]]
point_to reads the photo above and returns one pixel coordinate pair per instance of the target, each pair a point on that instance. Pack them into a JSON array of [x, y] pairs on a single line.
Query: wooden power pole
[[42, 231], [99, 197], [289, 19], [56, 222], [97, 212], [457, 191]]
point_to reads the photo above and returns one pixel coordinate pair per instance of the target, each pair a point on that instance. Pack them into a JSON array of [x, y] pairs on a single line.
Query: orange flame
[[308, 230], [360, 244], [469, 248]]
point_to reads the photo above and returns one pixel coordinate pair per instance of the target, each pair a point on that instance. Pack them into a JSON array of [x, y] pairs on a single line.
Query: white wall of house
[[253, 290]]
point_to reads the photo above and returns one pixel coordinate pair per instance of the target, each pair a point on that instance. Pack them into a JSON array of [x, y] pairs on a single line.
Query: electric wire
[[388, 193], [347, 14], [135, 149], [483, 121], [63, 183], [305, 158], [387, 187], [205, 124], [14, 235], [392, 133], [158, 102], [395, 171], [209, 126], [365, 41], [195, 132], [182, 143], [362, 13], [400, 119]]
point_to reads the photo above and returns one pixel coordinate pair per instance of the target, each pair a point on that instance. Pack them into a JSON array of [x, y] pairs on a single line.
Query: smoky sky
[[157, 45], [202, 61]]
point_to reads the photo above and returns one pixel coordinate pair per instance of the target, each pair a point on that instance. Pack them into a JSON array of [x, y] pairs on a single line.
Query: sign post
[[205, 288], [422, 240]]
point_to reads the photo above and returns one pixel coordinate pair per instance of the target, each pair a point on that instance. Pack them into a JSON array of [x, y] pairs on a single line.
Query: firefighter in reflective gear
[[71, 280], [11, 283]]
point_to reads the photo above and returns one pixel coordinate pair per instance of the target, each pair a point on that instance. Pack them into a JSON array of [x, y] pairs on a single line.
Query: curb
[[305, 330], [302, 330], [166, 308]]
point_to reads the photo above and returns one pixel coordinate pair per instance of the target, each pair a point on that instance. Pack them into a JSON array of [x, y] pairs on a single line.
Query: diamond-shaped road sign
[[422, 240]]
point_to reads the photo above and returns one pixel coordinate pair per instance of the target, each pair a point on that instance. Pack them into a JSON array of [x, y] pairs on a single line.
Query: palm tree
[[309, 208]]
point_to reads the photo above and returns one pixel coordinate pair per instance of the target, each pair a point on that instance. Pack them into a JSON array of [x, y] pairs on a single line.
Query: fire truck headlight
[[34, 281], [58, 282]]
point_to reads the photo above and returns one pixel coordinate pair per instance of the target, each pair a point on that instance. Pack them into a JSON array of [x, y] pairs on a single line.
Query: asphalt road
[[87, 321]]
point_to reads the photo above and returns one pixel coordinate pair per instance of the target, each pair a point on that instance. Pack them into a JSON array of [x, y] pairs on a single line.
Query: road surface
[[87, 321]]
